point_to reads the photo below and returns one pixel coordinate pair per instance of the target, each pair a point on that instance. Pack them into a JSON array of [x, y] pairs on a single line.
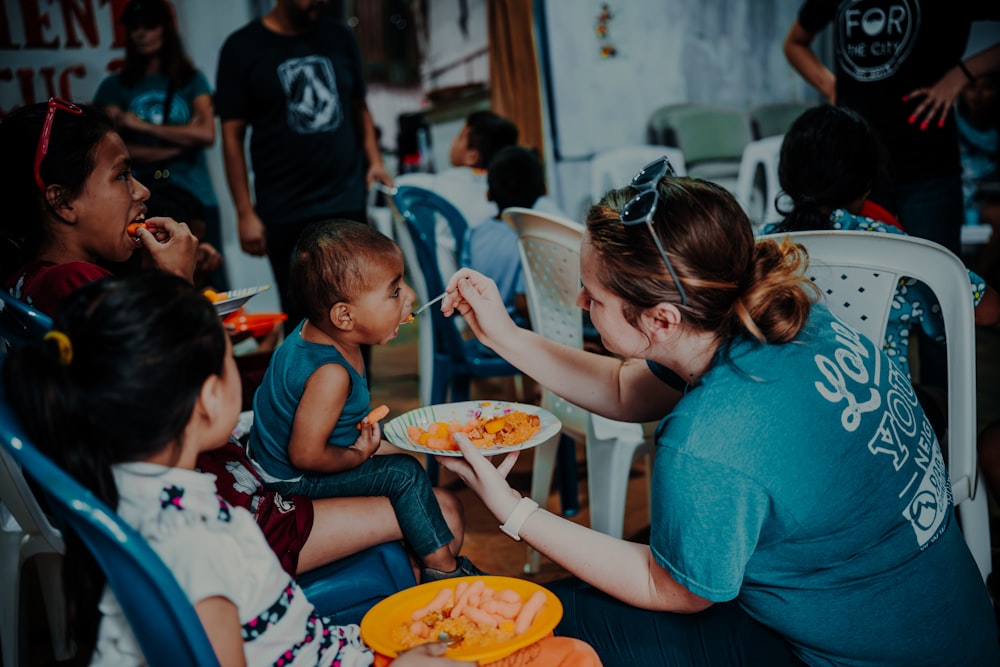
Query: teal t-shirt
[[278, 397], [146, 100], [805, 481]]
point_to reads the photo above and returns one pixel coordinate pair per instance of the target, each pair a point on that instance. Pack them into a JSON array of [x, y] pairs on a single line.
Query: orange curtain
[[514, 82]]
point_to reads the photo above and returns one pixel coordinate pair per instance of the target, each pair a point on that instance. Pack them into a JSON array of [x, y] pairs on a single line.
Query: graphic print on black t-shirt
[[311, 89], [876, 40]]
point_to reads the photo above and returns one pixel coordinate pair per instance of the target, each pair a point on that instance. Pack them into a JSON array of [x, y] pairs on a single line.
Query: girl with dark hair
[[778, 536], [119, 346], [162, 105], [74, 207], [830, 158]]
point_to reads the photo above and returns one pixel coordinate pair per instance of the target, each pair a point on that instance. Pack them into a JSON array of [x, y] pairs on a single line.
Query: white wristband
[[512, 526]]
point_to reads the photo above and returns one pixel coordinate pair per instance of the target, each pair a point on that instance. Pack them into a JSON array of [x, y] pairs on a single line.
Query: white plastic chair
[[757, 185], [550, 256], [27, 534], [857, 273], [615, 168]]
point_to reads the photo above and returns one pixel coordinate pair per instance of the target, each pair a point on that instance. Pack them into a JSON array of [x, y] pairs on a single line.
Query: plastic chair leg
[[974, 518], [10, 585], [609, 461], [542, 470], [569, 483], [54, 598]]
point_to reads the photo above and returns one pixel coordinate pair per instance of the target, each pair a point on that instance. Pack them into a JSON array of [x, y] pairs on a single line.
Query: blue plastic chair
[[20, 322], [164, 621]]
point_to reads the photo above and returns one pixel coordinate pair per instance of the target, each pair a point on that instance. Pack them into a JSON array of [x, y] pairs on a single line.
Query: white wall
[[447, 44]]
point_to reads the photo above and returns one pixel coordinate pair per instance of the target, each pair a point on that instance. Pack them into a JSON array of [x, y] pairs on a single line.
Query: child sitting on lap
[[310, 434]]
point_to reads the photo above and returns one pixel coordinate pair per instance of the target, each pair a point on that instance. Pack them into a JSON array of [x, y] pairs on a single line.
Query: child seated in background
[[482, 137], [829, 160], [515, 178], [310, 434]]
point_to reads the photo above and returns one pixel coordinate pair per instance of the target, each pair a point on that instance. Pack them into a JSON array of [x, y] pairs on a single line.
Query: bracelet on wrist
[[965, 70], [512, 526]]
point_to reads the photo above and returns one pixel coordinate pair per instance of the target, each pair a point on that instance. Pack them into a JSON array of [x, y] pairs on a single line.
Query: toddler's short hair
[[515, 177], [332, 261]]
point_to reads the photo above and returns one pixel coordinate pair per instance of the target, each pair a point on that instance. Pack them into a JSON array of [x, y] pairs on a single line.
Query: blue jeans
[[624, 635], [932, 209], [401, 479]]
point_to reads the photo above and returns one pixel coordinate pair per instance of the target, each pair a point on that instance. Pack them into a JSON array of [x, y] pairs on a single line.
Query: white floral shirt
[[214, 549]]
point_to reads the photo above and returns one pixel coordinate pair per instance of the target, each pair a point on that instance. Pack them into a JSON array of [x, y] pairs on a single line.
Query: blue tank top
[[278, 396]]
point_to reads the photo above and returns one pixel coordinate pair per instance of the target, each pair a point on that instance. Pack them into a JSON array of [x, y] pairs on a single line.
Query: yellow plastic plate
[[381, 621]]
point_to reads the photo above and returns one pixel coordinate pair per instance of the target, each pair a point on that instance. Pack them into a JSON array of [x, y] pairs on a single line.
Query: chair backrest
[[709, 134], [858, 272], [426, 205], [659, 127], [770, 120], [757, 186], [615, 168], [550, 255], [162, 618], [19, 321]]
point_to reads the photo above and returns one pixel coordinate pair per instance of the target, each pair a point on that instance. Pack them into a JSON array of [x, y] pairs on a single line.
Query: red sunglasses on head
[[55, 104]]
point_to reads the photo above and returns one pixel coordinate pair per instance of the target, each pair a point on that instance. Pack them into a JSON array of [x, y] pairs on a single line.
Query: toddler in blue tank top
[[311, 435]]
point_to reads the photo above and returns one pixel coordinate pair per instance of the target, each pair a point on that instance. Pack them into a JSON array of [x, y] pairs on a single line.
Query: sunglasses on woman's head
[[641, 208], [55, 104]]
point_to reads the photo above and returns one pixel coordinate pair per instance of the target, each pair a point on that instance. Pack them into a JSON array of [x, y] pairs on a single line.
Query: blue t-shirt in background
[[278, 396], [147, 100], [491, 249], [805, 481]]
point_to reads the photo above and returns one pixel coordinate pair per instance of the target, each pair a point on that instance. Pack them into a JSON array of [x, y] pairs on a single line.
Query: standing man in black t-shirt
[[899, 64], [296, 78]]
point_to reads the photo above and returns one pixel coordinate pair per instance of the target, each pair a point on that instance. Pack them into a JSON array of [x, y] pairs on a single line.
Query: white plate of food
[[496, 427], [227, 302]]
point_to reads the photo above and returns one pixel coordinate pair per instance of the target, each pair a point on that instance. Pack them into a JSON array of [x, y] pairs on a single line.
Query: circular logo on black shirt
[[876, 37]]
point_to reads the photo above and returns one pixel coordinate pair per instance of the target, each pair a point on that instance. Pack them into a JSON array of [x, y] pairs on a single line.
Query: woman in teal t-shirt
[[801, 512], [162, 107]]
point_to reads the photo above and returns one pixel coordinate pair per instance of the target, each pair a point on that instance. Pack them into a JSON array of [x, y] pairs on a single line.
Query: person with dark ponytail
[[830, 159], [801, 513], [135, 380]]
